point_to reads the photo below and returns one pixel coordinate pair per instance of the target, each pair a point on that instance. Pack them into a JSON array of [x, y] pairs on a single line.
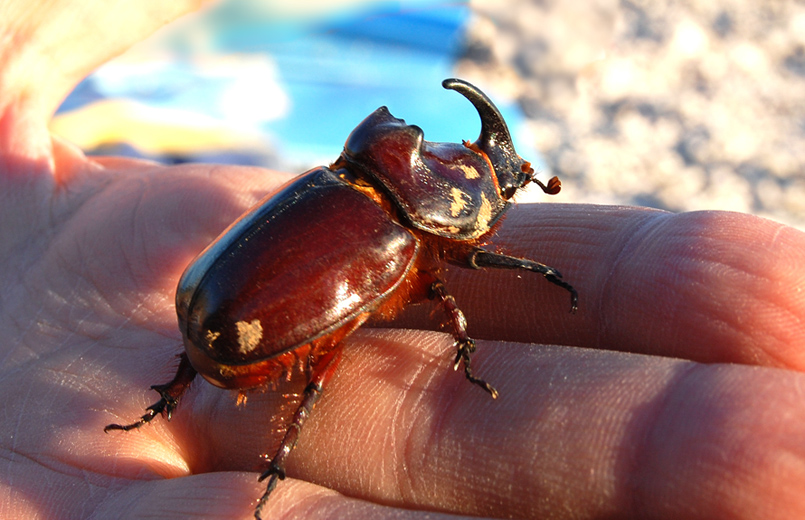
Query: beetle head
[[495, 140], [452, 190]]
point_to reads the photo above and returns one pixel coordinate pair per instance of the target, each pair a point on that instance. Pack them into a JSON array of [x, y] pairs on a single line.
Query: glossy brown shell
[[314, 258]]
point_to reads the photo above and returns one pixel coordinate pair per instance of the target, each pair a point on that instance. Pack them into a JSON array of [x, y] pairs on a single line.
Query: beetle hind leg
[[320, 374], [170, 394], [479, 258], [465, 345]]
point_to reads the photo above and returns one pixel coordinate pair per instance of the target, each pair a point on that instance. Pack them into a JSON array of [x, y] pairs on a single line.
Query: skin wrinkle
[[23, 328], [779, 355], [86, 258], [206, 459], [415, 458], [443, 395], [401, 460], [136, 492], [94, 497], [777, 234], [13, 453], [638, 235], [671, 310], [779, 309], [713, 314], [312, 507], [139, 234], [57, 466], [450, 394], [724, 447], [411, 399], [70, 199], [125, 245], [86, 306], [414, 402], [695, 256], [756, 302], [765, 356], [9, 302], [632, 490]]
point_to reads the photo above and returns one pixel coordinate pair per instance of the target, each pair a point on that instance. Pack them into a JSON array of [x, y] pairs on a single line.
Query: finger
[[576, 433], [213, 496], [706, 286], [229, 496], [57, 43], [49, 47], [304, 500]]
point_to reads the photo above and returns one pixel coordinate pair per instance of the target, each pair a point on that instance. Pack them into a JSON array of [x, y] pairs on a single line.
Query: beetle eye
[[508, 192]]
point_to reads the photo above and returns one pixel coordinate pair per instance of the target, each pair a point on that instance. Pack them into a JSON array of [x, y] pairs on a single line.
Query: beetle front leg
[[319, 376], [465, 345], [170, 392], [481, 258]]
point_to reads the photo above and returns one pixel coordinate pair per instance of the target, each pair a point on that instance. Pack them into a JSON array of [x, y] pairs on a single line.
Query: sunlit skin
[[684, 402]]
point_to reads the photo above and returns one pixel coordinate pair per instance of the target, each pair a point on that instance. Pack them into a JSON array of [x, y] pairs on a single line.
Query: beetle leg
[[465, 345], [320, 374], [481, 258], [170, 392]]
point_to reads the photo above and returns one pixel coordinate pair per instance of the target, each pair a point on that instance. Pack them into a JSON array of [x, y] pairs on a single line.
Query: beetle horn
[[495, 140]]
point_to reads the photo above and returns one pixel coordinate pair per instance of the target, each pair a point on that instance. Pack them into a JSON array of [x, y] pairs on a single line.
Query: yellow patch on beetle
[[458, 204], [469, 171], [226, 372], [249, 335], [484, 214], [211, 336]]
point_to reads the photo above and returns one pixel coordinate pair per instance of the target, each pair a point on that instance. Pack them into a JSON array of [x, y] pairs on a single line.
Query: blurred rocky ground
[[681, 105]]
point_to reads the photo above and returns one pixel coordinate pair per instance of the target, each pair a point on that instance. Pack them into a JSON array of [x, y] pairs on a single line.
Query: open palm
[[685, 401]]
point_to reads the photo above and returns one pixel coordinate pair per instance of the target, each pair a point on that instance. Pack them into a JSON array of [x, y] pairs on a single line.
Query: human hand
[[92, 251], [89, 308]]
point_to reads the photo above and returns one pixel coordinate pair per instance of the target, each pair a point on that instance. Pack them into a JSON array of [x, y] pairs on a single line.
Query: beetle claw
[[150, 412], [463, 350], [272, 483], [274, 473], [166, 405], [169, 393], [463, 356]]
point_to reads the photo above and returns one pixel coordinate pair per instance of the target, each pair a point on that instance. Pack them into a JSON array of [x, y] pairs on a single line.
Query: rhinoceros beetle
[[366, 236]]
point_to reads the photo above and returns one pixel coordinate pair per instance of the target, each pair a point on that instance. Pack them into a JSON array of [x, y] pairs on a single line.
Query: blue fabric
[[332, 72]]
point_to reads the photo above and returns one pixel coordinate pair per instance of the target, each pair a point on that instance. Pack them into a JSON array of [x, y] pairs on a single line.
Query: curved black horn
[[495, 139]]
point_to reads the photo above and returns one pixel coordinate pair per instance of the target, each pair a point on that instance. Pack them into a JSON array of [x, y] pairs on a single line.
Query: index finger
[[707, 286]]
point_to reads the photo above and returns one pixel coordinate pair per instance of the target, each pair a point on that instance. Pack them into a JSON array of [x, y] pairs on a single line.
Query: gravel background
[[680, 105]]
